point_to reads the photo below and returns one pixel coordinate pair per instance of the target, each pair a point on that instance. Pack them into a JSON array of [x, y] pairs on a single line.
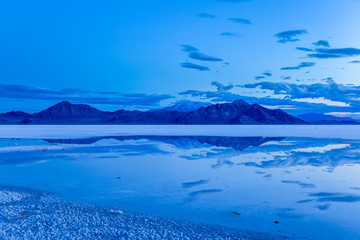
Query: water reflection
[[302, 183]]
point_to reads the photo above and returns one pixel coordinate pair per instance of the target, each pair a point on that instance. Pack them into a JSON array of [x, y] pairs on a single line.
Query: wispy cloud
[[321, 43], [305, 49], [206, 15], [81, 96], [194, 66], [289, 36], [331, 90], [286, 77], [259, 77], [204, 57], [230, 34], [189, 48], [294, 98], [267, 73], [324, 53], [235, 1], [300, 66], [240, 20], [221, 87]]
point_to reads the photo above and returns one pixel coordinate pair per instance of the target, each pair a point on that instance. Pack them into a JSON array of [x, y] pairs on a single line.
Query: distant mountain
[[320, 118], [186, 106], [66, 110], [238, 112]]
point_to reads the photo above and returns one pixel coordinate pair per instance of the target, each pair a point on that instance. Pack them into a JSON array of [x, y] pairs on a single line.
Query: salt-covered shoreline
[[29, 214], [86, 131]]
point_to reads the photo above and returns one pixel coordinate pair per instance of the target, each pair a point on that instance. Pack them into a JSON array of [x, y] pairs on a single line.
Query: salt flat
[[27, 214], [83, 131]]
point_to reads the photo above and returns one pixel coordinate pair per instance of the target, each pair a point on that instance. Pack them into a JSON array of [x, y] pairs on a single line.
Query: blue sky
[[298, 55]]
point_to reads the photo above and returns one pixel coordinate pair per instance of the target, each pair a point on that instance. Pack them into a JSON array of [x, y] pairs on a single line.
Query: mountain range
[[320, 118], [186, 106], [237, 112]]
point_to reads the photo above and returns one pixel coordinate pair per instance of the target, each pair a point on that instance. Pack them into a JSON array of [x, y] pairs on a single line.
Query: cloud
[[305, 49], [229, 34], [235, 1], [80, 96], [331, 90], [267, 73], [321, 43], [289, 36], [336, 197], [206, 15], [194, 66], [324, 53], [259, 77], [356, 61], [293, 98], [300, 66], [301, 184], [221, 87], [203, 57], [240, 20], [286, 77], [188, 48]]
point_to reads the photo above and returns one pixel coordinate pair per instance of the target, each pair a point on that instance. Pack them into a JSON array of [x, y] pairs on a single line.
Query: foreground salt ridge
[[29, 214], [84, 131]]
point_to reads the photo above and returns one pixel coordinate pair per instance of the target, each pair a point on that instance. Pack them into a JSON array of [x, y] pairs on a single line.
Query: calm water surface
[[310, 186]]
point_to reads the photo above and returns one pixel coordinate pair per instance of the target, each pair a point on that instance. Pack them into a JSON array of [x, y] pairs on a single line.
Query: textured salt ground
[[45, 216]]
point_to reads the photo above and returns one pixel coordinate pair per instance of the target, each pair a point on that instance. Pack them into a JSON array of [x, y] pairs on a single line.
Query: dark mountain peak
[[68, 110], [64, 103], [238, 112], [15, 114], [240, 102]]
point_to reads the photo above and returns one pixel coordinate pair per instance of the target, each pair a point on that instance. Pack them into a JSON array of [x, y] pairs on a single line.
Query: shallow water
[[310, 186]]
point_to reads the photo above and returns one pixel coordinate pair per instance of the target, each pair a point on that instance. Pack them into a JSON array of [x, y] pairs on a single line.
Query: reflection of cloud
[[201, 193], [237, 143], [74, 152], [335, 197], [221, 162], [194, 184], [323, 149], [323, 207], [301, 184], [293, 152]]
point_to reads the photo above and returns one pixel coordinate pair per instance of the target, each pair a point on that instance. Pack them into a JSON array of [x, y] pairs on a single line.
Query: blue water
[[310, 186]]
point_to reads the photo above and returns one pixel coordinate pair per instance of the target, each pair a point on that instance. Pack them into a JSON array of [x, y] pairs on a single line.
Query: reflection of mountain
[[237, 143], [238, 112]]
